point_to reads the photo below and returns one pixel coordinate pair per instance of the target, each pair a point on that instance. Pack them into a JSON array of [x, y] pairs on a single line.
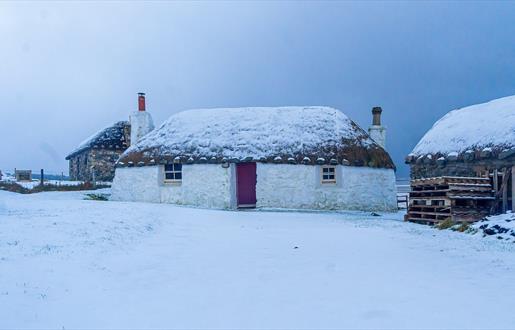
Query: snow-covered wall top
[[480, 126], [112, 137], [281, 134]]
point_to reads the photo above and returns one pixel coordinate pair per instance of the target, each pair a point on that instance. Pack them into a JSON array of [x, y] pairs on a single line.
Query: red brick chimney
[[141, 101]]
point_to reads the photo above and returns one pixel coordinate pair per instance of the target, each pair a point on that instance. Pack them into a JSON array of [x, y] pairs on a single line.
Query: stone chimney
[[377, 132], [141, 121]]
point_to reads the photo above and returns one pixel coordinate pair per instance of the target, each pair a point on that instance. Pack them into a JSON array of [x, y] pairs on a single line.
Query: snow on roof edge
[[88, 142], [476, 127]]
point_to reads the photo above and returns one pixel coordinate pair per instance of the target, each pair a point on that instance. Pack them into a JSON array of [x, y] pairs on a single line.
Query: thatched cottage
[[277, 157]]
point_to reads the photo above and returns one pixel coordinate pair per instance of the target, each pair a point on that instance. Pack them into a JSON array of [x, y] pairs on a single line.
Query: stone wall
[[100, 162], [458, 168], [79, 169]]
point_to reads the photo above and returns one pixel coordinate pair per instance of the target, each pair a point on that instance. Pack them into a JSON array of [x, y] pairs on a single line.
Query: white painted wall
[[141, 124], [299, 187], [136, 184], [204, 185], [378, 134], [278, 186]]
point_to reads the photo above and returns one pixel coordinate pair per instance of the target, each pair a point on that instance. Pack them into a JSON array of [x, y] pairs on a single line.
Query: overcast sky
[[69, 69]]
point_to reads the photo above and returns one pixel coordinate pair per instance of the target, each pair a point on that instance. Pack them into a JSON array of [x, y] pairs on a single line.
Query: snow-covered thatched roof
[[111, 137], [279, 134], [487, 127]]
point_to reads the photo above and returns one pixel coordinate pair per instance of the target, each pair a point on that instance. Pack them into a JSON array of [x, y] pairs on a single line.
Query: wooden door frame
[[244, 206]]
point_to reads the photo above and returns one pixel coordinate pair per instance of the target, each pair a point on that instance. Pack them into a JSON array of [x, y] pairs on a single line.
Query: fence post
[[42, 178], [93, 176]]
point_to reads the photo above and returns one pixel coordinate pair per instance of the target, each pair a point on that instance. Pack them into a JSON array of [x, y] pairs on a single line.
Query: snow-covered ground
[[7, 176], [34, 183], [500, 227], [67, 262]]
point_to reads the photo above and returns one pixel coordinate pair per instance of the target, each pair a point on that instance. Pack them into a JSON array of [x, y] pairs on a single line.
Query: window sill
[[328, 183], [172, 183]]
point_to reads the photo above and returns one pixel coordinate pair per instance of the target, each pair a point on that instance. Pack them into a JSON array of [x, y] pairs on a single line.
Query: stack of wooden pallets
[[460, 199]]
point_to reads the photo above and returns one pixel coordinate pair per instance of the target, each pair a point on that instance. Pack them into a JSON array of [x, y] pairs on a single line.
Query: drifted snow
[[7, 177], [490, 124], [70, 263], [251, 132]]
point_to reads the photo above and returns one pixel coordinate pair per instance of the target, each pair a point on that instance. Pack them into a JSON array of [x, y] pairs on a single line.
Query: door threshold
[[247, 206]]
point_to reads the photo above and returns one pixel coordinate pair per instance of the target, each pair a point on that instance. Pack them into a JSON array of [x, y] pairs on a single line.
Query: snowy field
[[66, 262], [32, 184], [8, 178]]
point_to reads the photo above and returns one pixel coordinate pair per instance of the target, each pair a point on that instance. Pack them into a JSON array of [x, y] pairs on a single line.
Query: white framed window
[[173, 173], [328, 174]]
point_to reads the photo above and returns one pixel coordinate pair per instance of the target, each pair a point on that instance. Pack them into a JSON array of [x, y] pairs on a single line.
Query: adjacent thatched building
[[476, 141], [286, 157]]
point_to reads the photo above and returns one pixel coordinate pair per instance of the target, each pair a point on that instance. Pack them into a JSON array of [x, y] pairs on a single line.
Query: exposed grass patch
[[97, 197], [462, 227], [14, 187], [445, 224]]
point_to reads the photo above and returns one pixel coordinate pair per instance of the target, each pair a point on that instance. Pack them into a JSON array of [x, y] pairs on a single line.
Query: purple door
[[246, 184]]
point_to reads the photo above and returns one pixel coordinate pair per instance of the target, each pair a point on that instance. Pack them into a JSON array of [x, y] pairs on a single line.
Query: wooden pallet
[[432, 200]]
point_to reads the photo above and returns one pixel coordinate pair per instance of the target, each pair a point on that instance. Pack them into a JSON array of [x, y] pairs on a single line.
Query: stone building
[[277, 157], [95, 158], [475, 141]]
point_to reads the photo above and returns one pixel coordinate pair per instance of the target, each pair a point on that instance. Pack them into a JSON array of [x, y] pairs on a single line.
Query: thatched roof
[[297, 135], [111, 137], [476, 132]]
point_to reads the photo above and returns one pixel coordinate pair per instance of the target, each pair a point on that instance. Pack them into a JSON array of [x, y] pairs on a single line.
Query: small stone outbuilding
[[95, 158]]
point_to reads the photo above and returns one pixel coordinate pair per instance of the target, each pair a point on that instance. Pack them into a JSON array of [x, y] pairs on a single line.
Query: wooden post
[[42, 178], [496, 190], [505, 177]]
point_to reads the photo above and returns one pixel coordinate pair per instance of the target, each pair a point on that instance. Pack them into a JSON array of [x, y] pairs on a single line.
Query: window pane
[[331, 169], [168, 167], [325, 177], [177, 167], [325, 170], [178, 176], [169, 176]]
